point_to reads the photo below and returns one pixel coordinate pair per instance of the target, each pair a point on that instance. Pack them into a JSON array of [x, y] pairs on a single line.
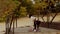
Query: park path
[[22, 22], [2, 28], [27, 25], [28, 30]]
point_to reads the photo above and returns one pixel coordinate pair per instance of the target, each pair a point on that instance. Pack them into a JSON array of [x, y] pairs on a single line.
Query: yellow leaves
[[43, 4], [39, 5], [36, 5], [27, 1], [53, 1], [23, 9], [7, 6]]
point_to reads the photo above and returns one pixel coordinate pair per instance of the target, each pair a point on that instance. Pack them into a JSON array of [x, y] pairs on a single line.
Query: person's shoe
[[34, 30]]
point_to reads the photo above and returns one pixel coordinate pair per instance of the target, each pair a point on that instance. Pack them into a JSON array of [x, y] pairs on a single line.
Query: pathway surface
[[28, 30], [2, 28], [22, 22]]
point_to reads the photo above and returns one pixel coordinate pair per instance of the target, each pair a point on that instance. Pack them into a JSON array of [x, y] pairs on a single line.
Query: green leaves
[[23, 11], [25, 7]]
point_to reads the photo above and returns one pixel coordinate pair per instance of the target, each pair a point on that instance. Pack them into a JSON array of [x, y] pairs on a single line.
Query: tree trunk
[[54, 17], [43, 18], [13, 27]]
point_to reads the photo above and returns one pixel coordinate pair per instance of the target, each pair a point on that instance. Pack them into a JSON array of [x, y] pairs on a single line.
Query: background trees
[[34, 7], [7, 6]]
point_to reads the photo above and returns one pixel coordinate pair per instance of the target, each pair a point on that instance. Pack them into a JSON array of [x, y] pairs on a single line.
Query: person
[[30, 15], [36, 24]]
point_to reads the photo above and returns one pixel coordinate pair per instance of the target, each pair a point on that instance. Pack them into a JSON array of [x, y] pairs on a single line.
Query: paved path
[[25, 22], [27, 30], [28, 22], [2, 28]]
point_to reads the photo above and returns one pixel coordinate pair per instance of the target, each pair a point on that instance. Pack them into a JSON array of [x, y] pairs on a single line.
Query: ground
[[28, 30], [23, 22]]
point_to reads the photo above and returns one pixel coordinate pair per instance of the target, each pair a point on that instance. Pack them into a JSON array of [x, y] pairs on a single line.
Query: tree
[[7, 6], [23, 11]]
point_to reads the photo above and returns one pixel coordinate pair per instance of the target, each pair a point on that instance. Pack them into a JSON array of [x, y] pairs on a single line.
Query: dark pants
[[36, 26]]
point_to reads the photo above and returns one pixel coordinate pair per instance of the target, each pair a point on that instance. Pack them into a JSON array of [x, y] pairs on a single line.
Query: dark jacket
[[37, 22]]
